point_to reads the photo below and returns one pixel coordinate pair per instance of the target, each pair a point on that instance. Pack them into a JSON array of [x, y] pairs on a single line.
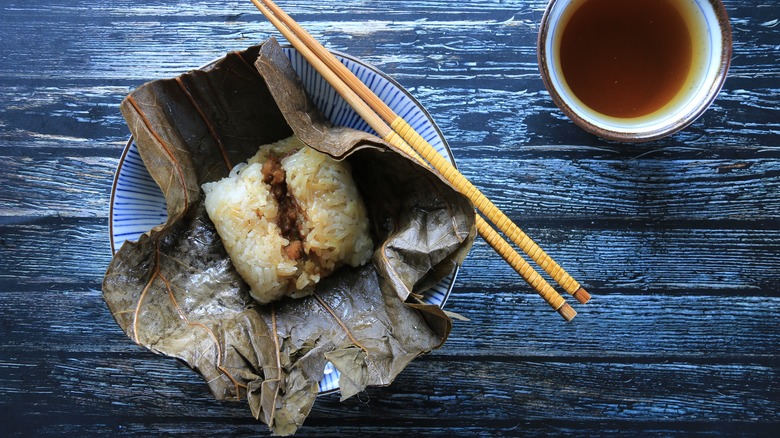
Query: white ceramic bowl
[[712, 40], [137, 204]]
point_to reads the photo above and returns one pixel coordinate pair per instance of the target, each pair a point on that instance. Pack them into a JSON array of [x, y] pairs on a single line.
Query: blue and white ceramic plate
[[137, 204]]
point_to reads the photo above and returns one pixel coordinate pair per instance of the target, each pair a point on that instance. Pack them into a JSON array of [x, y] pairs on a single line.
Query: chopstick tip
[[581, 295], [567, 312]]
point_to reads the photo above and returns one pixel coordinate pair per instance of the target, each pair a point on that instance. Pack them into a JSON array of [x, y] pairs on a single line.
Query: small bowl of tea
[[634, 70]]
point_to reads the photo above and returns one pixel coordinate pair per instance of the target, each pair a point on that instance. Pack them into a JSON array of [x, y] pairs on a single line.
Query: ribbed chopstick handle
[[529, 274], [483, 204]]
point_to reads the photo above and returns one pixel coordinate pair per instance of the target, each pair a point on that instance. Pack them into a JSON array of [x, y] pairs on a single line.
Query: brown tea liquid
[[626, 58]]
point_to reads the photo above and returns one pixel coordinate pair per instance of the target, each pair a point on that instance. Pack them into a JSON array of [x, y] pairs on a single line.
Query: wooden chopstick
[[385, 122], [397, 124]]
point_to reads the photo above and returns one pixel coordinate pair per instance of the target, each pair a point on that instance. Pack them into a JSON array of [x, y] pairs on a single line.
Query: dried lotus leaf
[[176, 292]]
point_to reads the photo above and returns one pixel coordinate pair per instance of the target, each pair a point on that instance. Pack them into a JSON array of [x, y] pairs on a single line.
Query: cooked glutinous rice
[[289, 217]]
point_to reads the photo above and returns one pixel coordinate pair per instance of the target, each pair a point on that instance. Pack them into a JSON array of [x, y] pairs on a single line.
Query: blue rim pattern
[[137, 203]]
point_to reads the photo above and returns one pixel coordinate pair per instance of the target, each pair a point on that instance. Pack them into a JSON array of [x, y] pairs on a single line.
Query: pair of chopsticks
[[396, 131]]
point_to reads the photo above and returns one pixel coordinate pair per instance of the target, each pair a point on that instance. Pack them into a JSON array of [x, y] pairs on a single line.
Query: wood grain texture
[[78, 319], [678, 239]]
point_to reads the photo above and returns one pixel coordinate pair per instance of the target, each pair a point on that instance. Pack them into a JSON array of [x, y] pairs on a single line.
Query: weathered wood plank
[[444, 36], [490, 119], [665, 260], [367, 427], [55, 118], [40, 252], [489, 105], [500, 125], [459, 392], [652, 260], [661, 260], [446, 48], [60, 186], [503, 323], [529, 186], [57, 251]]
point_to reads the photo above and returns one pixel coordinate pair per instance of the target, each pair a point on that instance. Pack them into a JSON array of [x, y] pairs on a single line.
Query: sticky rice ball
[[288, 217]]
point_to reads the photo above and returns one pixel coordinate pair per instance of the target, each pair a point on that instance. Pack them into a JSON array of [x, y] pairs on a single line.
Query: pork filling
[[289, 212]]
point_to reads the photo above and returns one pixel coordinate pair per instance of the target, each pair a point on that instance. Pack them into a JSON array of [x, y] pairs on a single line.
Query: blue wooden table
[[678, 240]]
